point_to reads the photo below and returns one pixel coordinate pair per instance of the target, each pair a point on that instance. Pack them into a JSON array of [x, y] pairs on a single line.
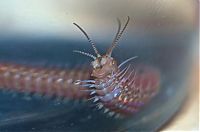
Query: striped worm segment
[[50, 82]]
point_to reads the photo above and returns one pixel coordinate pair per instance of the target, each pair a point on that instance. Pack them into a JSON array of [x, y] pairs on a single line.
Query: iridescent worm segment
[[120, 90]]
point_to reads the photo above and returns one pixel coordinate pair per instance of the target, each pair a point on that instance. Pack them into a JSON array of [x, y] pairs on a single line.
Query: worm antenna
[[84, 53], [88, 38], [118, 30], [118, 35]]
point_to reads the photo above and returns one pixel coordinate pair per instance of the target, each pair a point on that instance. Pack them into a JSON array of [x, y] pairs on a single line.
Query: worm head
[[103, 66]]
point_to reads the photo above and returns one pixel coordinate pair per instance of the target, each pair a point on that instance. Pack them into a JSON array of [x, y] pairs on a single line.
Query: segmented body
[[124, 92], [44, 81]]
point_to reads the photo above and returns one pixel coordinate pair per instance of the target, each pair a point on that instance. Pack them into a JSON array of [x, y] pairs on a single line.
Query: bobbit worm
[[118, 89]]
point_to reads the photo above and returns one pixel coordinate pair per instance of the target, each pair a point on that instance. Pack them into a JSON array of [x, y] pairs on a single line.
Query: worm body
[[44, 81], [119, 89], [123, 93]]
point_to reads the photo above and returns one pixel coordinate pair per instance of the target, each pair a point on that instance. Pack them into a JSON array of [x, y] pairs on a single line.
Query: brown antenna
[[88, 38], [118, 30], [84, 53], [118, 36]]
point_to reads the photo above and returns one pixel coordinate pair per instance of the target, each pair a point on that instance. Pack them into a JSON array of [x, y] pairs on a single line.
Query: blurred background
[[35, 18], [163, 33]]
